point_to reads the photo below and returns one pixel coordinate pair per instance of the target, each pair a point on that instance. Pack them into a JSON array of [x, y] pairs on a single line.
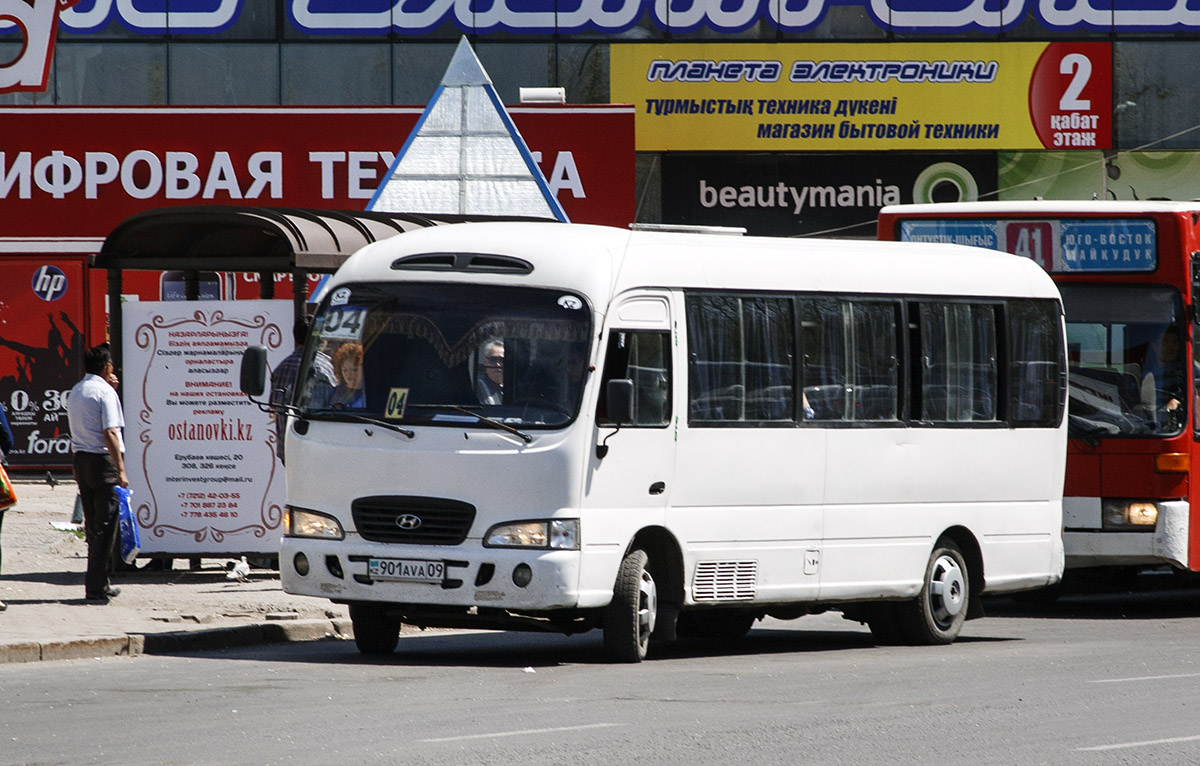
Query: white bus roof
[[602, 262], [1046, 207]]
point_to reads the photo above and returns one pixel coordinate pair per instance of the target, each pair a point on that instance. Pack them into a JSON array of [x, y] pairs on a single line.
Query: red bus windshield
[[1126, 351]]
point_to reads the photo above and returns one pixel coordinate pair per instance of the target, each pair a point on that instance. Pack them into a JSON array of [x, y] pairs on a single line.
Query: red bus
[[1128, 272]]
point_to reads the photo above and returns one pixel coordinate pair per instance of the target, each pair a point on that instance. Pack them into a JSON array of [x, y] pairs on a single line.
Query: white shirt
[[92, 408]]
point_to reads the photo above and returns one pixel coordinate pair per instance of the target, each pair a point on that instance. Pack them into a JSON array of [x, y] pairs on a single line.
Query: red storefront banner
[[67, 171]]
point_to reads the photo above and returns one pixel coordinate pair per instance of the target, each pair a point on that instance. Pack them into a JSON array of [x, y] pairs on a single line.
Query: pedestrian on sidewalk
[[6, 445], [283, 380], [96, 421]]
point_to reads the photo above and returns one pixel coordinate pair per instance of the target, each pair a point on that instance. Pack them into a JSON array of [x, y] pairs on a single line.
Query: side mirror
[[620, 401], [254, 371]]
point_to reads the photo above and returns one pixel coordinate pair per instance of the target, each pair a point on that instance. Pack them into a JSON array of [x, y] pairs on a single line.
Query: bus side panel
[[751, 495], [990, 481]]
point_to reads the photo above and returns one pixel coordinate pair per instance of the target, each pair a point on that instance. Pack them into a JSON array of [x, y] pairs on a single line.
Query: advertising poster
[[866, 96], [836, 195], [41, 353], [200, 456], [1093, 175]]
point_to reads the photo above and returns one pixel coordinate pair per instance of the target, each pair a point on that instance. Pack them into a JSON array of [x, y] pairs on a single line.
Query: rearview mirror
[[619, 401], [254, 370]]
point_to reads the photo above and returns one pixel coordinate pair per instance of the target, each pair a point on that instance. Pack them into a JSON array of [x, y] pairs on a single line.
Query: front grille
[[725, 580], [441, 521]]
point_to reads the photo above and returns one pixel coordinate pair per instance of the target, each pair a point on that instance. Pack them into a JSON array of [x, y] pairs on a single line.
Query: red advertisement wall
[[71, 174]]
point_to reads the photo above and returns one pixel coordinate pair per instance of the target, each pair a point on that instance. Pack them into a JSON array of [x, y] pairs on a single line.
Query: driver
[[489, 386], [1163, 383]]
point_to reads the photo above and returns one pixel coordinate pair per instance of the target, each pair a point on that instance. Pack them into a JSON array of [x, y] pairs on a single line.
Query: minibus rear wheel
[[629, 619], [374, 632], [937, 614]]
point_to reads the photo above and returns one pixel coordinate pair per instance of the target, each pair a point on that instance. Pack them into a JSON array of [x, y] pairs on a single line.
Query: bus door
[[633, 463]]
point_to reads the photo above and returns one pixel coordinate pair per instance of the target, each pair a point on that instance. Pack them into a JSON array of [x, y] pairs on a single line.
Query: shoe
[[3, 606], [108, 594]]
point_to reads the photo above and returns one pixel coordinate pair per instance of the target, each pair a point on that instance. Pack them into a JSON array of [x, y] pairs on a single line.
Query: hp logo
[[49, 283], [408, 522]]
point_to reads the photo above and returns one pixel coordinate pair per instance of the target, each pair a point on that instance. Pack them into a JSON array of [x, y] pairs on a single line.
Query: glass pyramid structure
[[465, 155]]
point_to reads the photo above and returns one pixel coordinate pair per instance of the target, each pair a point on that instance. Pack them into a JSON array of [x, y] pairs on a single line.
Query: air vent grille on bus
[[725, 580], [412, 520], [475, 263]]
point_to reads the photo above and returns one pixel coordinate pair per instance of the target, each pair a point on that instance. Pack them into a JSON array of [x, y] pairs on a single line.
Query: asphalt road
[[1091, 680]]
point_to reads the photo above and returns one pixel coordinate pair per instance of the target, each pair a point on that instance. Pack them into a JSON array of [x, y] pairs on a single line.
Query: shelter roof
[[252, 239]]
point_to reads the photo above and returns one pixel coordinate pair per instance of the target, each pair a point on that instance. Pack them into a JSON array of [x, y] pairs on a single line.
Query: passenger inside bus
[[348, 370]]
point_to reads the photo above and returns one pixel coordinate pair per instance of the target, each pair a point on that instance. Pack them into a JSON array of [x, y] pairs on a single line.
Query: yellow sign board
[[866, 96], [396, 402]]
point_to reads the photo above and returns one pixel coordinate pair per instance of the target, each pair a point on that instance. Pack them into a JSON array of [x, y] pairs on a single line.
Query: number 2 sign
[[1070, 96]]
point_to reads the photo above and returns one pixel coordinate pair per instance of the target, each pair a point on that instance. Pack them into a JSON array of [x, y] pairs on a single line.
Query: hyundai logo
[[408, 521]]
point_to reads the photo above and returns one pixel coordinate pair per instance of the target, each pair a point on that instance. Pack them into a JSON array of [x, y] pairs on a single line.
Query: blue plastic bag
[[131, 538]]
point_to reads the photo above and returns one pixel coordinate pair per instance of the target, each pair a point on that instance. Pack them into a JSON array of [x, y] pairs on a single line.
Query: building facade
[[764, 141]]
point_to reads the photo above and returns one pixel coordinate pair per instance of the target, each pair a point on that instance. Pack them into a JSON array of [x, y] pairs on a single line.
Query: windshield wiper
[[336, 415], [481, 418]]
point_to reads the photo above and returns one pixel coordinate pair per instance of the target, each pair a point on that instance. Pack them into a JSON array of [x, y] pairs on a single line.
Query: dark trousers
[[97, 476]]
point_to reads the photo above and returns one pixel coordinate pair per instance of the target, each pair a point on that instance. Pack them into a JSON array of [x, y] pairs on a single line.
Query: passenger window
[[826, 373], [957, 371], [741, 367], [643, 357], [851, 367], [1035, 374]]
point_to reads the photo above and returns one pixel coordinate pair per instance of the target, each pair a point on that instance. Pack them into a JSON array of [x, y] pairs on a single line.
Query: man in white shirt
[[96, 421]]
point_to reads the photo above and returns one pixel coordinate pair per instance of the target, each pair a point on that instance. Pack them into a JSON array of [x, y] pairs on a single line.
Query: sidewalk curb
[[135, 644]]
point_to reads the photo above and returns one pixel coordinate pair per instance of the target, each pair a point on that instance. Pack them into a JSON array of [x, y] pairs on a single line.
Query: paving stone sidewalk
[[180, 609]]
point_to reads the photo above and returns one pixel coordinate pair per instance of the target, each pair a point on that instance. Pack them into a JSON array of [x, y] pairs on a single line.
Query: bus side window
[[826, 378], [958, 370], [851, 363], [1035, 370], [643, 357], [741, 367]]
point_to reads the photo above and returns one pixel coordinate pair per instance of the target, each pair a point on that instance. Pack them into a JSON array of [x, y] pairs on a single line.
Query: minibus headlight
[[298, 522], [554, 534], [1129, 515]]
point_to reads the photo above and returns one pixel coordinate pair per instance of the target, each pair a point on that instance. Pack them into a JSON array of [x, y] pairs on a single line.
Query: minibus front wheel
[[629, 619]]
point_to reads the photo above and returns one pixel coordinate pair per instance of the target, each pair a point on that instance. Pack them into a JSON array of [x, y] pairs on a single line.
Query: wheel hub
[[947, 588], [647, 606]]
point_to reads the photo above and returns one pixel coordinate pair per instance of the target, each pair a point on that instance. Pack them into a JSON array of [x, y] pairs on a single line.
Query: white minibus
[[560, 427]]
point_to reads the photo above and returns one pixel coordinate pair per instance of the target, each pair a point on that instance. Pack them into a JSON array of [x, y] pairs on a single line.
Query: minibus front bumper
[[465, 575]]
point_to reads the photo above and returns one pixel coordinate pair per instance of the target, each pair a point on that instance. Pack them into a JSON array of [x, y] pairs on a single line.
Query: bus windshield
[[453, 354], [1127, 357]]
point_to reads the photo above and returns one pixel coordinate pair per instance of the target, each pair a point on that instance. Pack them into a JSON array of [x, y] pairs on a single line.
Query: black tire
[[375, 633], [629, 619], [884, 623], [937, 614]]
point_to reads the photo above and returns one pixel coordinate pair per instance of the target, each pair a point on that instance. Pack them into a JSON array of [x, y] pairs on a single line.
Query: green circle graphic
[[941, 173]]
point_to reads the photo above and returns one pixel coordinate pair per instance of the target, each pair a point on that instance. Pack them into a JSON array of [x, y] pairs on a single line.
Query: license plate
[[406, 570]]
